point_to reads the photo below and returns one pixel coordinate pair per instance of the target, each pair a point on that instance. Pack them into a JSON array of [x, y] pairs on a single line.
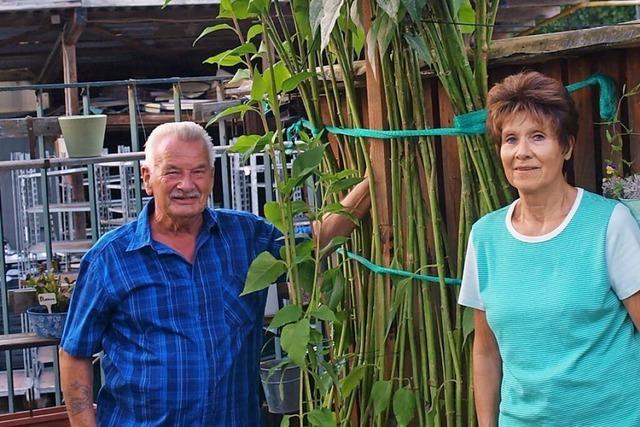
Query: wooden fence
[[592, 148]]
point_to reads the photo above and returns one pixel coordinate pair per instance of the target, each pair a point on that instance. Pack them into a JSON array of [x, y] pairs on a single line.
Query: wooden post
[[379, 150], [70, 35]]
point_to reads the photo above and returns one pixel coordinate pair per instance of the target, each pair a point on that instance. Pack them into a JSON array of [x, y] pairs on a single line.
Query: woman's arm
[[487, 372], [633, 307]]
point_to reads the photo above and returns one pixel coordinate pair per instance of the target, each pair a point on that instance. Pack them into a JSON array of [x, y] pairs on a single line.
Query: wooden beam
[[379, 150], [156, 3], [20, 128], [51, 64], [70, 75], [136, 46], [17, 5], [567, 43], [73, 29]]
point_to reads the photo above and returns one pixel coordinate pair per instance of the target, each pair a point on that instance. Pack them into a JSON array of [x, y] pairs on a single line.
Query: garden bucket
[[634, 207], [83, 135], [281, 386], [44, 324]]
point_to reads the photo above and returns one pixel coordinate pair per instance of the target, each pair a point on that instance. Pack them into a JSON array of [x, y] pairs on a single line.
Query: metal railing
[[46, 166]]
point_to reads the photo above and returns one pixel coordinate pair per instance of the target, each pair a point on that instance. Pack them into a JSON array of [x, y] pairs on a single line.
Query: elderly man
[[160, 297]]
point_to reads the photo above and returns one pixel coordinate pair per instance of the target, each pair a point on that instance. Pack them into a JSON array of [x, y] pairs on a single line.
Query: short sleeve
[[470, 289], [269, 237], [623, 252], [89, 312]]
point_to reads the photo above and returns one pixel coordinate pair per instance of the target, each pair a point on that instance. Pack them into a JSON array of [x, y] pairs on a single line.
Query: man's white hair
[[185, 131]]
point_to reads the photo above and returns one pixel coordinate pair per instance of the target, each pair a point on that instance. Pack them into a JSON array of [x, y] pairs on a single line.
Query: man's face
[[181, 178]]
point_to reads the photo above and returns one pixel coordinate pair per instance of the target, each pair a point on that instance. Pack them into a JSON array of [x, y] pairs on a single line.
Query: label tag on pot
[[47, 300]]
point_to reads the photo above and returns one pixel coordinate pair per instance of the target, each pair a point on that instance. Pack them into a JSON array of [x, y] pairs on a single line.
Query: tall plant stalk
[[398, 354]]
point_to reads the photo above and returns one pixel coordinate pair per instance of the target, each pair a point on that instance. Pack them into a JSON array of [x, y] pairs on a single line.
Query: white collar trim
[[550, 235]]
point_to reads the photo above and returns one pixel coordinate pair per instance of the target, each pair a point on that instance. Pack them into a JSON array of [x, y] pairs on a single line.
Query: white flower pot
[[83, 135]]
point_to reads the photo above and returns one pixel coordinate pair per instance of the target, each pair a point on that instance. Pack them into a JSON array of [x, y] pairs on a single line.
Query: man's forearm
[[76, 376], [356, 203]]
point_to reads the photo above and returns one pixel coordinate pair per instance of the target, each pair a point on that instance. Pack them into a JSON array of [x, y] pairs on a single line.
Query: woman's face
[[531, 154]]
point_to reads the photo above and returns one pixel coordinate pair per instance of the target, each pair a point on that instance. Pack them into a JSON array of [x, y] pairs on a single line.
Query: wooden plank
[[451, 171], [17, 5], [27, 340], [137, 3], [612, 64], [584, 157], [633, 107], [379, 149], [20, 128], [50, 417], [531, 48]]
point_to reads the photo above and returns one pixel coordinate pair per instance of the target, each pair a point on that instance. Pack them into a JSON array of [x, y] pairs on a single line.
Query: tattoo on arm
[[81, 398]]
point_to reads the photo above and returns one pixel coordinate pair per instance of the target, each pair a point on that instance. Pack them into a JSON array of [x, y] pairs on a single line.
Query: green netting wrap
[[608, 96], [465, 124], [378, 269]]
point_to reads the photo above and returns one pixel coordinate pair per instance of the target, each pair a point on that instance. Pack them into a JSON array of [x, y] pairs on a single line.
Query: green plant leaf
[[213, 29], [292, 82], [414, 8], [332, 245], [238, 9], [343, 184], [315, 337], [224, 59], [236, 109], [258, 86], [418, 44], [285, 420], [390, 7], [301, 17], [468, 325], [322, 417], [400, 290], [324, 313], [466, 15], [307, 162], [380, 396], [404, 406], [166, 3], [333, 285], [241, 74], [244, 144], [263, 271], [316, 11], [294, 340], [280, 74], [254, 30], [273, 214], [330, 13], [352, 380], [307, 275], [287, 314], [304, 250], [258, 6]]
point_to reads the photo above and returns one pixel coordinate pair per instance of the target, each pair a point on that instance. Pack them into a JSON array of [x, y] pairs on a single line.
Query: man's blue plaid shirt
[[181, 346]]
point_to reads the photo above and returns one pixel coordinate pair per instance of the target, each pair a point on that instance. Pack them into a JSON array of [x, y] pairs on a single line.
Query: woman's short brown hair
[[537, 95]]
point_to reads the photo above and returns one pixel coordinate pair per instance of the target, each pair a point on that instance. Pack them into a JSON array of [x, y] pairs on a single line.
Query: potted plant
[[615, 184], [53, 293]]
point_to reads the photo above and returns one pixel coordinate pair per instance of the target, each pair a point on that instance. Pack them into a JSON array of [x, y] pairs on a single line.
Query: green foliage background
[[592, 17]]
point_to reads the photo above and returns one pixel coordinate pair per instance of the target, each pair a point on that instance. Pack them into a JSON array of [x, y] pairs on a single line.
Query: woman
[[554, 278]]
